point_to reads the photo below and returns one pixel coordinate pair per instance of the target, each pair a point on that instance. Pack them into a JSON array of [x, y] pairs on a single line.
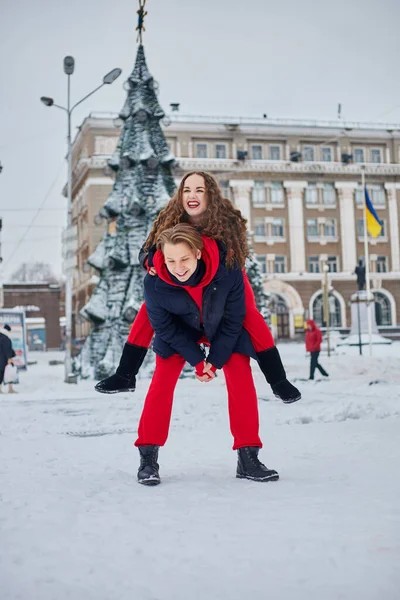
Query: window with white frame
[[330, 228], [277, 196], [358, 155], [225, 189], [311, 194], [332, 263], [258, 193], [275, 153], [278, 228], [313, 264], [201, 150], [381, 264], [383, 313], [256, 152], [329, 194], [360, 228], [260, 229], [359, 195], [312, 228], [279, 264], [308, 153], [262, 261], [220, 150], [376, 155], [326, 154], [377, 192]]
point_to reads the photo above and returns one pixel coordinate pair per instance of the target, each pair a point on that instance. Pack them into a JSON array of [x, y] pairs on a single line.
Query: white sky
[[293, 58]]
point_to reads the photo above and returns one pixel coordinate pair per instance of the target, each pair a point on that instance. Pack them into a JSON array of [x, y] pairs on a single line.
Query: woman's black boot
[[274, 372], [124, 379]]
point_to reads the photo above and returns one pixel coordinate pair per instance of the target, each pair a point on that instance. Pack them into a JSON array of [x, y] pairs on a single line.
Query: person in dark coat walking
[[313, 346], [195, 299], [199, 201], [6, 355]]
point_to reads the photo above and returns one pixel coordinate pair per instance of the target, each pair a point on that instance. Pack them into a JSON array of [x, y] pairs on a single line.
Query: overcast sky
[[292, 58]]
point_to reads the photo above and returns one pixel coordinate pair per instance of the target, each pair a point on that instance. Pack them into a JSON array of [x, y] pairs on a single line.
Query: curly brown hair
[[220, 221]]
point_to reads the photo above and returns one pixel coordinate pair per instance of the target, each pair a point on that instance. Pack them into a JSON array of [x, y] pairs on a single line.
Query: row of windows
[[326, 228], [314, 194], [310, 153], [278, 264]]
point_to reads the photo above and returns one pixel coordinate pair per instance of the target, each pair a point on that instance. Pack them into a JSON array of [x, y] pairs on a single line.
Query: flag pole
[[368, 287]]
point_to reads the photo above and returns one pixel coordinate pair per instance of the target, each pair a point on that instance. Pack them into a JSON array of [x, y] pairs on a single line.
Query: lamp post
[[69, 65], [326, 306]]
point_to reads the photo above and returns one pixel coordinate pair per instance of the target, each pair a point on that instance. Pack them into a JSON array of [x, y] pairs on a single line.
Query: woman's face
[[194, 197], [181, 260]]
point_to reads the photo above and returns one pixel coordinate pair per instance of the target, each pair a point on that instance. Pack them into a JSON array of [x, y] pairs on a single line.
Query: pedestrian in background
[[313, 346], [6, 355]]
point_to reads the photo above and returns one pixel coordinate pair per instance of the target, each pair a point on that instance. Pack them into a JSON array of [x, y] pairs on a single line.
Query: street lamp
[[69, 65]]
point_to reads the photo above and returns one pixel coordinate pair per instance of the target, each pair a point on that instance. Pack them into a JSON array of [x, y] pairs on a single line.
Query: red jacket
[[313, 337]]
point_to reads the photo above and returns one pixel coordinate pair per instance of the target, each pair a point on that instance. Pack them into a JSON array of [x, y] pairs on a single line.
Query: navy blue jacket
[[175, 317]]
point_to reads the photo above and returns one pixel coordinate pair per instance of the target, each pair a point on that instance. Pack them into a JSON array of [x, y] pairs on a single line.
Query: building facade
[[298, 183]]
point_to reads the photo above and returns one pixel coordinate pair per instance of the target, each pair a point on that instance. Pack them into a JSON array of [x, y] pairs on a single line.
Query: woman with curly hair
[[197, 300], [199, 202]]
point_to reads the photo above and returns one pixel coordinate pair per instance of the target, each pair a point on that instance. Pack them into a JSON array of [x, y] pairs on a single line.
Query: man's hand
[[207, 374], [152, 271], [10, 361]]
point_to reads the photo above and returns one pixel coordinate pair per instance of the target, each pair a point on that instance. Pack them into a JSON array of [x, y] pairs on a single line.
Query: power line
[[36, 214]]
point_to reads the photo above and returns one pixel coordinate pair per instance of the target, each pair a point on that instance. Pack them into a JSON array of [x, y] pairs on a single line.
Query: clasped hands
[[205, 371]]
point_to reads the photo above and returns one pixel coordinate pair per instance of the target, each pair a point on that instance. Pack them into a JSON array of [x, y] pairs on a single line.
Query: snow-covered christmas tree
[[254, 274], [143, 184]]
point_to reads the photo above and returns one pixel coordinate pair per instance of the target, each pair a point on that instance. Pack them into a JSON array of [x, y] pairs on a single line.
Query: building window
[[376, 155], [359, 195], [326, 154], [278, 228], [358, 155], [311, 194], [258, 193], [335, 314], [256, 152], [259, 228], [330, 228], [220, 151], [313, 264], [381, 264], [275, 153], [377, 193], [277, 192], [262, 261], [308, 153], [201, 150], [312, 228], [383, 312], [279, 264], [332, 263], [225, 189], [328, 194]]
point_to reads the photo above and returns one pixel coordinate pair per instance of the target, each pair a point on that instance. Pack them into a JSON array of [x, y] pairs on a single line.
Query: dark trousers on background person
[[314, 364], [242, 401]]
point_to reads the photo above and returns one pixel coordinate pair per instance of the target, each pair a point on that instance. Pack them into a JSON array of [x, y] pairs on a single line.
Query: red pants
[[141, 332], [242, 402]]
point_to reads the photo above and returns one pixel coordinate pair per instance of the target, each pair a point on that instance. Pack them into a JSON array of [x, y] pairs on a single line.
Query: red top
[[313, 337]]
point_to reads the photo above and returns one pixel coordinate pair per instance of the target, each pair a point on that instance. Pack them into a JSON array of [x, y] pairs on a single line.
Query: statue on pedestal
[[360, 272]]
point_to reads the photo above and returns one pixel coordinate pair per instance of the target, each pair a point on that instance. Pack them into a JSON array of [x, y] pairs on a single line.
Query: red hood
[[210, 255], [311, 323]]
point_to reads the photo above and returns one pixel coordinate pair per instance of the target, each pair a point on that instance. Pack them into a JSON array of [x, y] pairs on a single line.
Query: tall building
[[297, 182]]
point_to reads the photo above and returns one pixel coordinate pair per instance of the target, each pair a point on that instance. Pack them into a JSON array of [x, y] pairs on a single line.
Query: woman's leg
[[156, 414], [141, 332], [242, 402], [320, 367], [254, 323]]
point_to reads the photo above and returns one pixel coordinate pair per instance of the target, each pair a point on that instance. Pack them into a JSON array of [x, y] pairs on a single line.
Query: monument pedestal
[[359, 322]]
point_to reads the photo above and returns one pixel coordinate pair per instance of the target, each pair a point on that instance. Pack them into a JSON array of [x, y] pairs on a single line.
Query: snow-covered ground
[[74, 524]]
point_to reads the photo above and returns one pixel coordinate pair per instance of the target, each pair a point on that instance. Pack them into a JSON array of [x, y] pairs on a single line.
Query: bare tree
[[35, 272]]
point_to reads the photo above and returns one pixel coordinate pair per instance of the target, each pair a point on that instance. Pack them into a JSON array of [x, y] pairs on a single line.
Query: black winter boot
[[124, 379], [249, 467], [274, 372], [148, 471]]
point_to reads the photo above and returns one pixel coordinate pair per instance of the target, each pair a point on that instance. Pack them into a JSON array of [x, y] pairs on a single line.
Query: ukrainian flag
[[374, 223]]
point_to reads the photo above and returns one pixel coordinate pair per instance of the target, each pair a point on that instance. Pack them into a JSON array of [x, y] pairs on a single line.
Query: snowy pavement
[[74, 524]]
